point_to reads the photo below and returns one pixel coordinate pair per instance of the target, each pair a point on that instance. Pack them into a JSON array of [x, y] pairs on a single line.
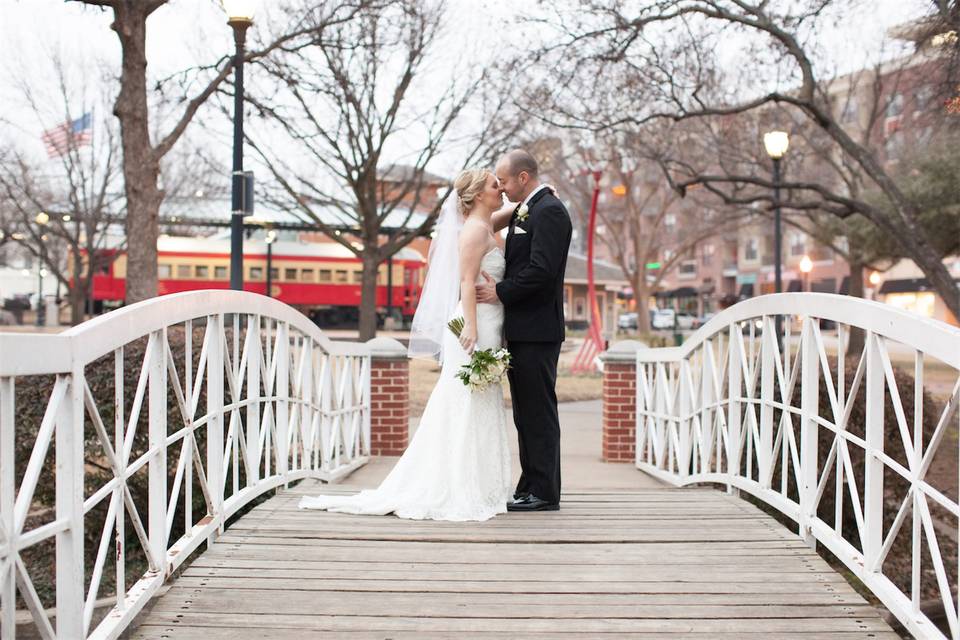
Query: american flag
[[70, 134]]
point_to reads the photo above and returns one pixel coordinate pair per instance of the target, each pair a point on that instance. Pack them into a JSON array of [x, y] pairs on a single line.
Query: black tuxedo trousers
[[533, 381]]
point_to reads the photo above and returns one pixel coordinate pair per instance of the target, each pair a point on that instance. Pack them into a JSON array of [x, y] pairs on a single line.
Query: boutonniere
[[523, 213]]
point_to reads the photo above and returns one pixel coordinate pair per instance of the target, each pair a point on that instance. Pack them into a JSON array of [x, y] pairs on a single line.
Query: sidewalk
[[580, 444]]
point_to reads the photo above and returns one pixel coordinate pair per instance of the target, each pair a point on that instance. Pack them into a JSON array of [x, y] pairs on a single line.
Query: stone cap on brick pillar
[[387, 349], [623, 351]]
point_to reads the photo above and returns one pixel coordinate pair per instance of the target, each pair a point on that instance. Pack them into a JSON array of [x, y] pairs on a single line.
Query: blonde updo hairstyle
[[469, 184]]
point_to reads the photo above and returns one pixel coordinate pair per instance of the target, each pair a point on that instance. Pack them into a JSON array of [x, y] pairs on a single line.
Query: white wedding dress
[[457, 466]]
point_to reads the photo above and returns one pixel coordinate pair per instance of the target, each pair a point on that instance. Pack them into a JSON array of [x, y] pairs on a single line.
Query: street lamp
[[239, 17], [42, 219], [776, 144], [271, 238], [806, 266]]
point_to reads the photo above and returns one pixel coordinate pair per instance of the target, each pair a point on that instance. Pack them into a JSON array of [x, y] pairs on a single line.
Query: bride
[[457, 466]]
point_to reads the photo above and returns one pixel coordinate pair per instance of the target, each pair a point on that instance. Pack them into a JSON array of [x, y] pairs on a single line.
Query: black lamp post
[[240, 17], [271, 238], [42, 219], [776, 144]]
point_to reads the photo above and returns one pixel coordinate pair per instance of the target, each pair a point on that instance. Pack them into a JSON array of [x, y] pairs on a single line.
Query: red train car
[[320, 279]]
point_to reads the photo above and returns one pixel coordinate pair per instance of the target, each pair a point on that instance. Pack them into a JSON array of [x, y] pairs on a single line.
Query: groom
[[532, 296]]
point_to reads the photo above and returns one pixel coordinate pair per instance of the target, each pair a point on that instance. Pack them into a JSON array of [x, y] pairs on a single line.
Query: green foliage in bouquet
[[456, 326]]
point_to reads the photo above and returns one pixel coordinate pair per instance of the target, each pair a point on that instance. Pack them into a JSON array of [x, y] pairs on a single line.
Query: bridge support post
[[389, 397], [620, 401]]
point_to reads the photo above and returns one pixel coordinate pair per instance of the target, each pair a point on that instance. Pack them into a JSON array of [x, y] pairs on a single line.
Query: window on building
[[325, 275], [256, 273], [341, 276], [290, 275], [670, 220], [203, 271], [894, 146], [850, 109], [707, 255], [688, 268], [579, 308], [183, 271], [306, 275], [220, 273], [895, 105], [922, 98], [163, 271], [798, 244], [750, 249]]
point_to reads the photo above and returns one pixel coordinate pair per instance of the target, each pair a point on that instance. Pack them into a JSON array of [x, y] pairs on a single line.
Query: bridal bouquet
[[486, 366]]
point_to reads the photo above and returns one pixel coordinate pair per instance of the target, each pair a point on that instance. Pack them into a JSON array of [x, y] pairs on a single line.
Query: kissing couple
[[457, 466]]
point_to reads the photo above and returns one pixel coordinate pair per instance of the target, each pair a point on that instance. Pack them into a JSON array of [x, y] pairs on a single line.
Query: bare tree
[[673, 74], [64, 219], [142, 155], [644, 221], [339, 106]]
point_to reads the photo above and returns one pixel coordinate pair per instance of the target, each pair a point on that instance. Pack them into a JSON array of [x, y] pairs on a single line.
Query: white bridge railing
[[211, 399], [784, 421]]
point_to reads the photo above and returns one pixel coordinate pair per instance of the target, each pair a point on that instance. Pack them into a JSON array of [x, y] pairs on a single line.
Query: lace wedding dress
[[457, 466]]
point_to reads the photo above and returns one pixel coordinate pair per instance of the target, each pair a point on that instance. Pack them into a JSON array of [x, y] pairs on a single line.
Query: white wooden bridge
[[165, 425]]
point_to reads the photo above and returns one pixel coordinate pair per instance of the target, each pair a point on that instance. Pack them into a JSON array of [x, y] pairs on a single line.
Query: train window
[[290, 275], [325, 275], [341, 276], [256, 273], [203, 271], [306, 275], [163, 270], [358, 276], [274, 273], [220, 273], [183, 271]]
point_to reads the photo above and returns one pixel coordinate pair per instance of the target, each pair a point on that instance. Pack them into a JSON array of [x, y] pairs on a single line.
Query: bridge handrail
[[722, 409], [283, 402]]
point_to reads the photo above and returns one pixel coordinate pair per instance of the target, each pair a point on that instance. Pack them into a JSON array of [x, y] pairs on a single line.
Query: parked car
[[628, 321], [664, 319], [685, 321]]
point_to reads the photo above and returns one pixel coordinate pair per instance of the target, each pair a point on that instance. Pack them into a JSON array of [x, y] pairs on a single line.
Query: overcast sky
[[188, 32]]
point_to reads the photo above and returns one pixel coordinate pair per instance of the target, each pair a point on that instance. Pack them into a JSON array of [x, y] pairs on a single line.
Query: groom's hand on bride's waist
[[487, 290]]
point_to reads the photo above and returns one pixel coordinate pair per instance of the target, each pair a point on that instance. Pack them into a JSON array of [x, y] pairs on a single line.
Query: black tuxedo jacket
[[532, 287]]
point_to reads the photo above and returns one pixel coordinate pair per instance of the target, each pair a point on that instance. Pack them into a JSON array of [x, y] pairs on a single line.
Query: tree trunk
[[78, 300], [141, 167], [368, 297], [855, 289], [641, 296]]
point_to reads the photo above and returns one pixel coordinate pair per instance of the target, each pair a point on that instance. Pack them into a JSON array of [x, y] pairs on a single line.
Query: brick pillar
[[620, 401], [389, 397]]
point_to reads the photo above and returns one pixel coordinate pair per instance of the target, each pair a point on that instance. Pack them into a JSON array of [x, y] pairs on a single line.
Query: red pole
[[593, 344], [596, 321]]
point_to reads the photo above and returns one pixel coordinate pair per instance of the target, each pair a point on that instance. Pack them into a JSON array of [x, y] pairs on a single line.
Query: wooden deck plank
[[651, 563]]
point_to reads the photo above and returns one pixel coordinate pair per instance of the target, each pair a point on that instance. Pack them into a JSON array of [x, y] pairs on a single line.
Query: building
[[609, 283]]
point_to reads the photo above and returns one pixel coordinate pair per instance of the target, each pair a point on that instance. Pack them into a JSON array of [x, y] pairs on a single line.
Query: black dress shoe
[[520, 495], [531, 502]]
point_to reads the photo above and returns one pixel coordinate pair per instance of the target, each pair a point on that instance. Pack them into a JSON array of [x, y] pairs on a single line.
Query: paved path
[[624, 557]]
